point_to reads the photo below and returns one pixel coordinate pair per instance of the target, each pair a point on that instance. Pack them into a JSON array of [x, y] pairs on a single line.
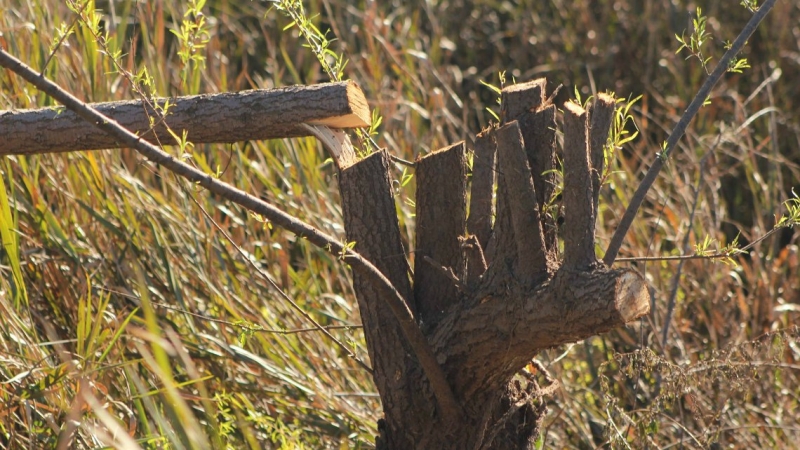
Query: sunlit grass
[[118, 294]]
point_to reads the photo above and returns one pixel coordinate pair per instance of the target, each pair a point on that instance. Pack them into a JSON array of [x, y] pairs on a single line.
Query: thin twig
[[356, 394], [450, 408], [280, 291], [680, 129], [400, 160], [675, 258], [541, 368], [63, 37], [223, 321], [446, 271], [717, 255], [676, 278]]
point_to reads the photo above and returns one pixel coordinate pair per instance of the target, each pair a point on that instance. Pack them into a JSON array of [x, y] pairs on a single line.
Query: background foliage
[[125, 311]]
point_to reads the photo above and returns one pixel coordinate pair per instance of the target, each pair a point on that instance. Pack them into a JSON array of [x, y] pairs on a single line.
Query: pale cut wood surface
[[209, 118]]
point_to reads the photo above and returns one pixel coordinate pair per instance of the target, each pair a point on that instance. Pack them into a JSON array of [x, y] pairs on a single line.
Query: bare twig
[[718, 255], [446, 271], [675, 258], [676, 278], [280, 291], [476, 260], [541, 368], [680, 129], [450, 408], [400, 160], [223, 321]]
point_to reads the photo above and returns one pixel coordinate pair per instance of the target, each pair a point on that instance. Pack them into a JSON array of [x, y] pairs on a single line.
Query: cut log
[[517, 100], [441, 220], [211, 118], [578, 203], [481, 207], [525, 220], [601, 115]]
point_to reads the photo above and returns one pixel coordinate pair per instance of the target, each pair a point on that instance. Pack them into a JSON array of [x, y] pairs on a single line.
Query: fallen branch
[[211, 118]]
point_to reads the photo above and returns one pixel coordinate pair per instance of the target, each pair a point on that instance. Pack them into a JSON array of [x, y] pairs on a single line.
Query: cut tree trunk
[[485, 324], [211, 118], [441, 218]]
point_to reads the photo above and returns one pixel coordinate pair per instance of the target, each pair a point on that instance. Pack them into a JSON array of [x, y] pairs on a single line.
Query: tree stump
[[487, 296]]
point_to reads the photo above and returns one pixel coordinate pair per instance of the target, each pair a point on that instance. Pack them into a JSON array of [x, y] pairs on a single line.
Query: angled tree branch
[[680, 129]]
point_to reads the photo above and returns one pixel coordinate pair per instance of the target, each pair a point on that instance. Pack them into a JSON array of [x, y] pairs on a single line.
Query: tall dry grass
[[125, 311]]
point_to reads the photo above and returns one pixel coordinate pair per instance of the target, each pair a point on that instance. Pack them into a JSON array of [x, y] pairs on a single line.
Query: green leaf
[[492, 87], [494, 114]]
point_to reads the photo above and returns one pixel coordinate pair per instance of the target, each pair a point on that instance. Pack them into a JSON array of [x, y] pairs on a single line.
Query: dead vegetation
[[118, 283]]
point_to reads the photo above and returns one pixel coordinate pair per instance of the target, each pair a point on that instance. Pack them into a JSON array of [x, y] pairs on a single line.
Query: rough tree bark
[[481, 207], [220, 118], [486, 323], [371, 222], [441, 218]]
